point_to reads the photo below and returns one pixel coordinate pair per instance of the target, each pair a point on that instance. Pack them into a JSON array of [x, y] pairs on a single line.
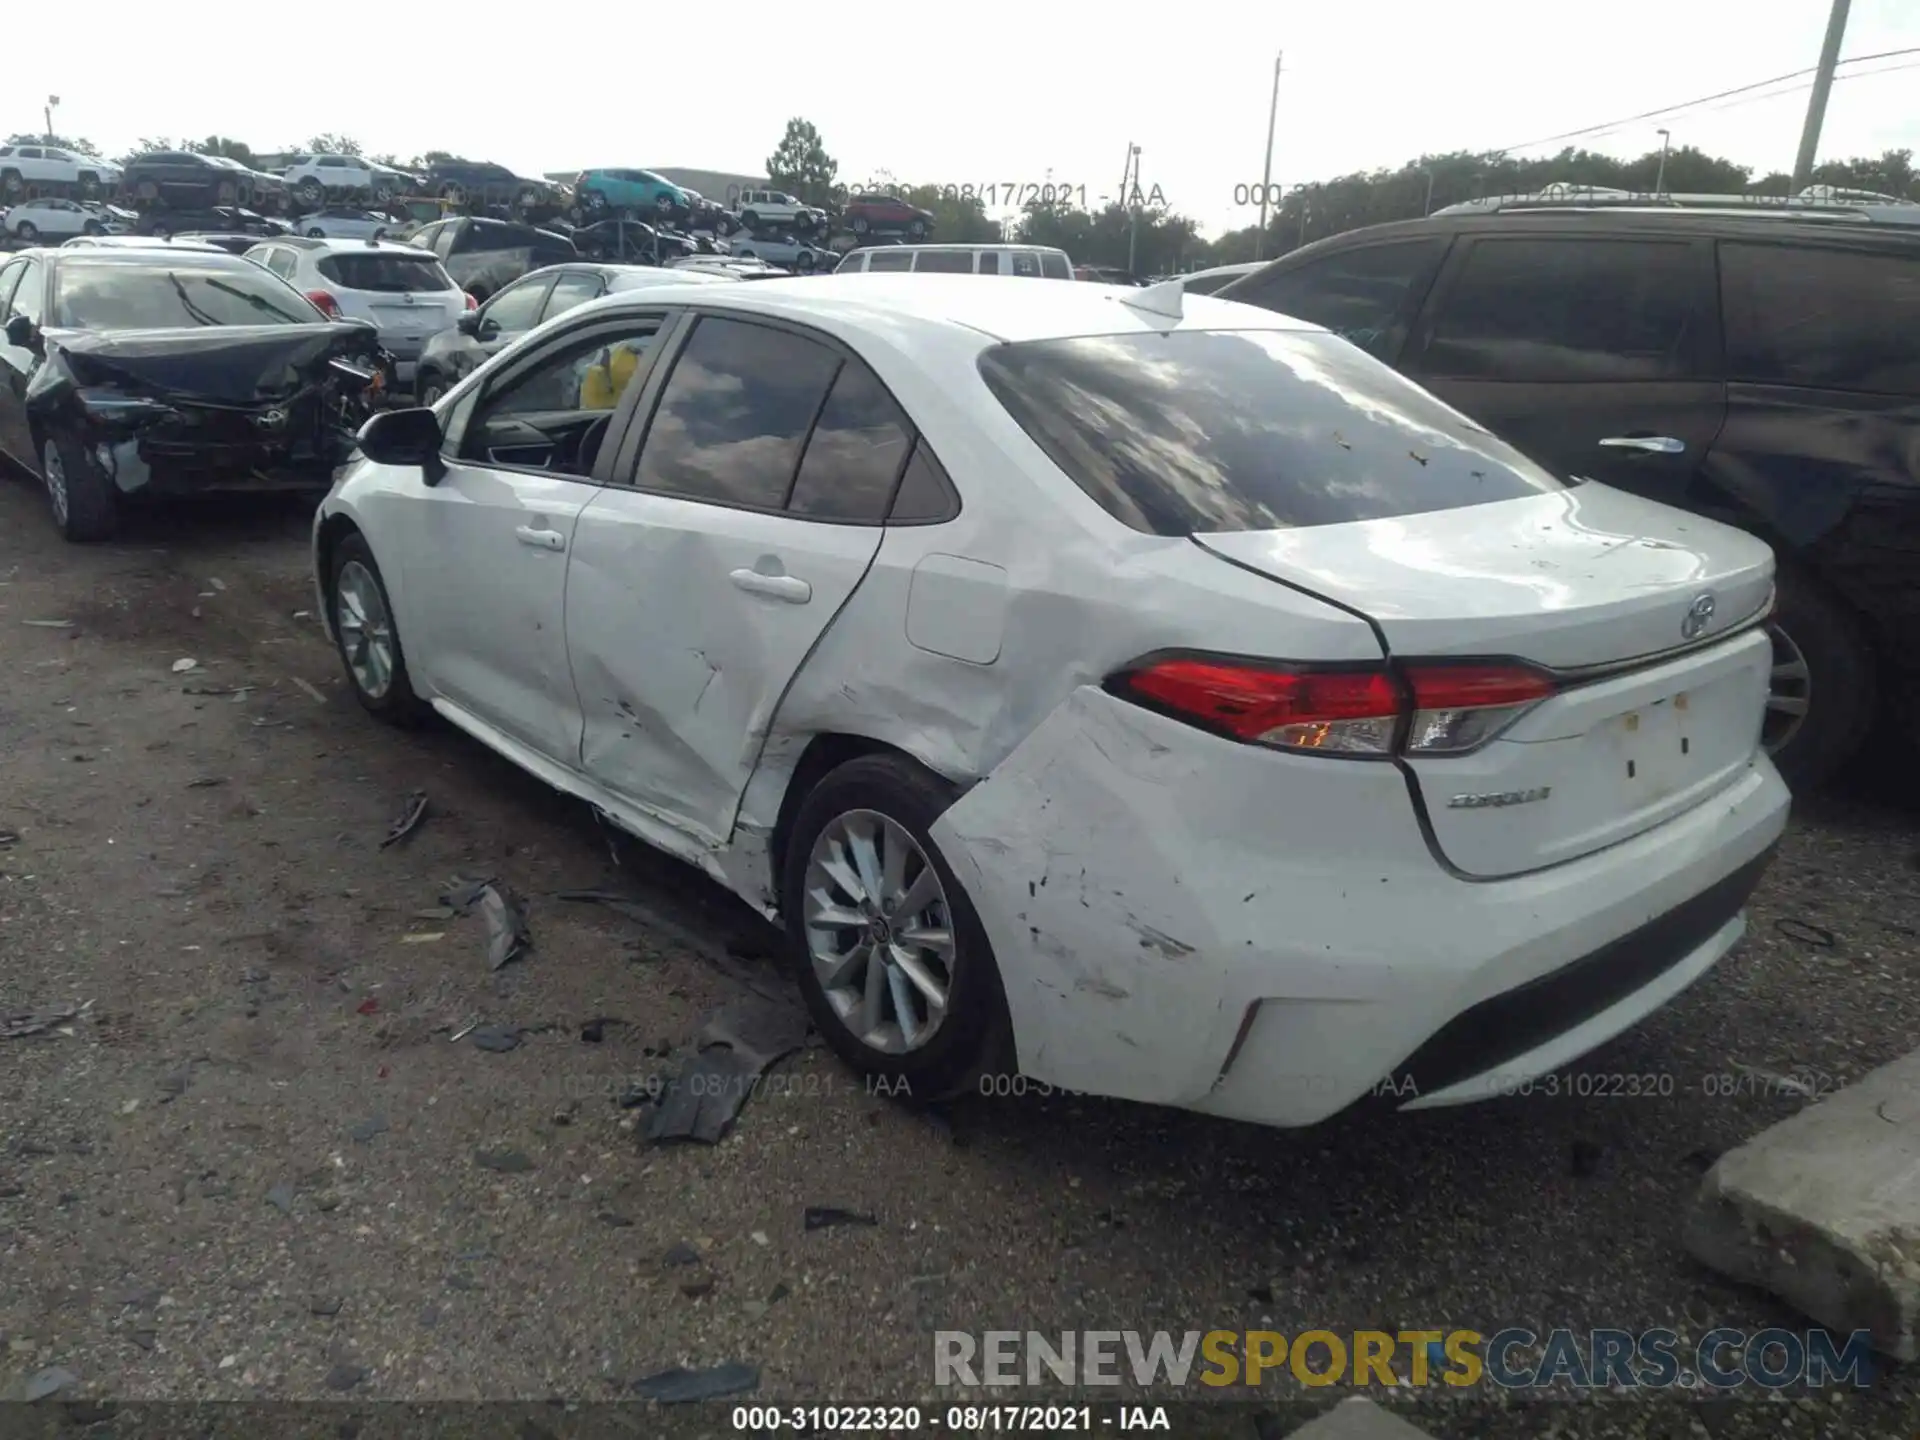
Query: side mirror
[[468, 323], [20, 331], [405, 437]]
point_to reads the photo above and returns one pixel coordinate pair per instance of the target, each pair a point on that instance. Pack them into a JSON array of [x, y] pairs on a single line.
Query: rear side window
[[944, 262], [1827, 319], [385, 271], [1361, 295], [857, 451], [1200, 431], [1053, 266], [851, 263], [734, 414], [890, 260], [989, 262], [1571, 310], [1025, 264]]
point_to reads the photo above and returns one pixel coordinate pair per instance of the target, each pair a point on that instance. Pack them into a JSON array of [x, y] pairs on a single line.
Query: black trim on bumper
[[1510, 1024]]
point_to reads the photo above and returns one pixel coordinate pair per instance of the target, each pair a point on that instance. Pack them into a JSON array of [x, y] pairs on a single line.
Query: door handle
[[1648, 444], [775, 587], [540, 539]]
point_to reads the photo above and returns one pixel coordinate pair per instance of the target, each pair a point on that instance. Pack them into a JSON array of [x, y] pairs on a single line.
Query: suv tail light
[[328, 306], [472, 304], [1419, 708]]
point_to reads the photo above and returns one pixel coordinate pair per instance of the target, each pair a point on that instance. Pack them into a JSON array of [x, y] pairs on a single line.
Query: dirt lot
[[250, 1171]]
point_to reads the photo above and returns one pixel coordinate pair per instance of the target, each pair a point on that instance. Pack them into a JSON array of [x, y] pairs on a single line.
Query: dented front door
[[685, 623]]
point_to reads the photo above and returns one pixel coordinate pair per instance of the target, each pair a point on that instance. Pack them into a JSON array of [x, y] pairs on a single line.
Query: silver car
[[59, 220], [344, 222]]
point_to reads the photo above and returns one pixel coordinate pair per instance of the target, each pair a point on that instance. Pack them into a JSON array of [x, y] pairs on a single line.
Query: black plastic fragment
[[681, 1387], [412, 812], [824, 1217], [737, 1043]]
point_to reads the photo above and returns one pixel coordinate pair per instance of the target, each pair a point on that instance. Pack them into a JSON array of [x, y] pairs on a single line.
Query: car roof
[[137, 242], [323, 245], [212, 256], [1000, 309], [966, 245]]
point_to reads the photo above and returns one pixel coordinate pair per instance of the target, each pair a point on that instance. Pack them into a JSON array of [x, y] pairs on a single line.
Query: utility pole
[[1428, 210], [47, 113], [1660, 180], [1133, 231], [1127, 169], [1817, 102], [1266, 171]]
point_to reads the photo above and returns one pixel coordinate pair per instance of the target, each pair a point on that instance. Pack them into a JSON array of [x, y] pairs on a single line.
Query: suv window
[[495, 237], [734, 414], [387, 271], [1024, 264], [282, 262], [1199, 431], [944, 262], [515, 308], [1361, 295], [1827, 319], [29, 152], [550, 249], [569, 291], [1053, 266], [858, 448], [890, 260], [989, 262], [1570, 310]]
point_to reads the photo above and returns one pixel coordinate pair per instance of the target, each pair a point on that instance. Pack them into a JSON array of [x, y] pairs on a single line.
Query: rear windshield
[[1198, 430], [385, 271], [1053, 266], [128, 297]]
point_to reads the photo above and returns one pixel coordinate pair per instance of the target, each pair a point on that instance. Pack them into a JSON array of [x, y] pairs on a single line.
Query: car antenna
[[1162, 299]]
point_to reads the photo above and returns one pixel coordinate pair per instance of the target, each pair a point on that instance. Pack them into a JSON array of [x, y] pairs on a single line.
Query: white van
[[1038, 262]]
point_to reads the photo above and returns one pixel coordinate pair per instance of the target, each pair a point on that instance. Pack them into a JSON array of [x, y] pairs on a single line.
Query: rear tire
[[368, 638], [85, 506], [27, 231], [1821, 707], [891, 797]]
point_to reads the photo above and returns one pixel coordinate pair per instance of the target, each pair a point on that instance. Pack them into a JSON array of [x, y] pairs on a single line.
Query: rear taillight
[[1427, 708], [327, 305], [472, 304]]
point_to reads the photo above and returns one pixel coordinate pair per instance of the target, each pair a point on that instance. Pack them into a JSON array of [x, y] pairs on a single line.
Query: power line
[[1759, 99], [1668, 110]]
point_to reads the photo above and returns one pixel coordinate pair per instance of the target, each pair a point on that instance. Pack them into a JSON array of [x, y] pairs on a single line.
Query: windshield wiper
[[259, 302], [193, 309]]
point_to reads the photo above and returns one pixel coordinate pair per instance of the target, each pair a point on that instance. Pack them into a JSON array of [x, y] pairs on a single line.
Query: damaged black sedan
[[129, 373]]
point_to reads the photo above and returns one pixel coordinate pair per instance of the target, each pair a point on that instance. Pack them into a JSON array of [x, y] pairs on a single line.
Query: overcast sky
[[959, 96]]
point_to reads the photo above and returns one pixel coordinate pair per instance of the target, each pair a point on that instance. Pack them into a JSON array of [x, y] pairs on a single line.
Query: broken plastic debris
[[506, 920], [311, 689], [181, 667], [825, 1217], [737, 1043], [497, 1038], [1805, 931], [412, 811], [20, 1024], [681, 1387], [463, 895], [49, 624], [425, 937], [206, 782], [672, 931], [56, 1378]]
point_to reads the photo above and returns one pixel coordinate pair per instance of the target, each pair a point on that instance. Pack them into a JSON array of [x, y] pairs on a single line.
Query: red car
[[873, 211]]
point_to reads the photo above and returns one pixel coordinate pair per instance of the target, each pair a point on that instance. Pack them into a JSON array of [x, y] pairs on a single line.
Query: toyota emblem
[[1699, 615]]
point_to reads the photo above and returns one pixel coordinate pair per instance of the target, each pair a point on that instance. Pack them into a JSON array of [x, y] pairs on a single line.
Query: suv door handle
[[1649, 444], [792, 589], [540, 539]]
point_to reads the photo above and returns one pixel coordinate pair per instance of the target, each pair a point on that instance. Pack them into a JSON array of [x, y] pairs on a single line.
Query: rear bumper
[[1185, 921]]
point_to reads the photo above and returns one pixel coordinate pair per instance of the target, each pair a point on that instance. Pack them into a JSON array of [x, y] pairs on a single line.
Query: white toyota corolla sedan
[[1149, 697]]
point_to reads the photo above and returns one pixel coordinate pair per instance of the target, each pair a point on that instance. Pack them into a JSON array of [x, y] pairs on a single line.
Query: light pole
[[1817, 102], [1133, 230], [1660, 180], [1266, 172], [53, 102], [1427, 209]]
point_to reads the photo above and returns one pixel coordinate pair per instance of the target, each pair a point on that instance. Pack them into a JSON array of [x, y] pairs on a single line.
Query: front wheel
[[367, 638], [917, 229], [311, 192], [27, 231], [893, 961], [1820, 705], [84, 503], [316, 233], [89, 186]]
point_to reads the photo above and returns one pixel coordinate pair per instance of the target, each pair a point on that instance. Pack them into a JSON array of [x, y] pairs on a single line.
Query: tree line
[[1151, 236]]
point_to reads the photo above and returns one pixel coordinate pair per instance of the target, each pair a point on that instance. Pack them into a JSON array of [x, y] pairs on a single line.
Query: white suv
[[35, 167], [403, 291], [777, 210], [319, 178]]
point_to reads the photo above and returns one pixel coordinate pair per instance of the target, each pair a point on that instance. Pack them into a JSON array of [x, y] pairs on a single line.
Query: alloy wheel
[[1789, 692], [879, 933], [53, 472], [365, 629]]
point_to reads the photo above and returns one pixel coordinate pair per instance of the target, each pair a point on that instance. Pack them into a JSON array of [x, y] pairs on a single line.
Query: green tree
[[148, 143], [78, 146], [328, 144], [223, 145], [801, 164]]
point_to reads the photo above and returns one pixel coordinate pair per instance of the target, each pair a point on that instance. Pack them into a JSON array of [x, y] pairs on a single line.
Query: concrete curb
[[1823, 1210], [1359, 1419]]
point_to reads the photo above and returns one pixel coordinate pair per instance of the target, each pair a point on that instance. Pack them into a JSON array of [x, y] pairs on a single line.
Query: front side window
[[1200, 431], [1821, 318], [1361, 295], [734, 414], [539, 418], [9, 279], [569, 291], [1571, 310], [515, 308], [856, 451], [127, 297]]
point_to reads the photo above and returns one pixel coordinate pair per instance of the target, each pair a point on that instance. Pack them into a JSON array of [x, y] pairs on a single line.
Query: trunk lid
[[1647, 614]]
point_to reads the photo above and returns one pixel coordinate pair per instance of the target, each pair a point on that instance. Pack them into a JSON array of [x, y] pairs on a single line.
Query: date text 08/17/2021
[[954, 1419], [992, 194]]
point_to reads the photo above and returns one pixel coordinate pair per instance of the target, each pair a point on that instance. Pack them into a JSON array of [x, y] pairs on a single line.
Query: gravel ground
[[252, 1171]]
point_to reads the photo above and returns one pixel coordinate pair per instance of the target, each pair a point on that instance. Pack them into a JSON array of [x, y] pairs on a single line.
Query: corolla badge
[[1699, 615]]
